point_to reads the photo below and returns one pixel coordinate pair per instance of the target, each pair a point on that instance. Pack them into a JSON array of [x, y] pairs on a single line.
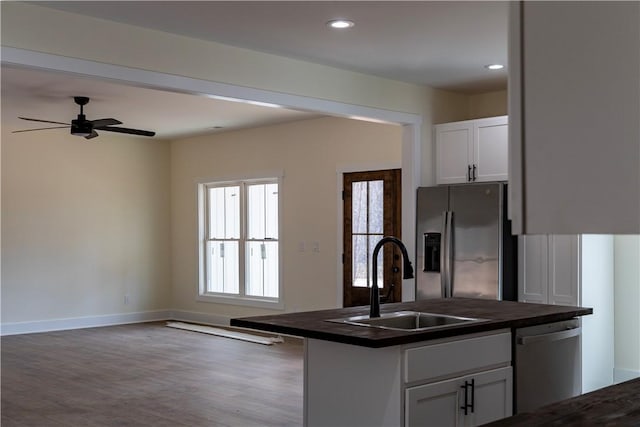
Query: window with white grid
[[239, 241]]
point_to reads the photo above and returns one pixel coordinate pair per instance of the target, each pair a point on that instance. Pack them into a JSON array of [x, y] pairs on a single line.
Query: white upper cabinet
[[574, 117], [549, 269], [472, 151]]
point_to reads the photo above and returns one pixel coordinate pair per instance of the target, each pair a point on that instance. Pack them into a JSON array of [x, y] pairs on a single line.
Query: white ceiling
[[440, 44]]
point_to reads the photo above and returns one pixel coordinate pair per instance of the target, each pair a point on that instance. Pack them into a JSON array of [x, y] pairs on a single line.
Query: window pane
[[222, 267], [224, 213], [232, 212], [271, 211], [360, 261], [255, 211], [359, 197], [216, 213], [262, 269], [262, 211], [376, 207], [373, 240]]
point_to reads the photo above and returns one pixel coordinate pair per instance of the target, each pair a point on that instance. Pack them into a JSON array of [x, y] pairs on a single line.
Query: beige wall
[[489, 104], [310, 152], [627, 303], [83, 225]]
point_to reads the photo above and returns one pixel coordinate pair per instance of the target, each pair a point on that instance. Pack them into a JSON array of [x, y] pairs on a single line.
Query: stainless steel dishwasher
[[547, 363]]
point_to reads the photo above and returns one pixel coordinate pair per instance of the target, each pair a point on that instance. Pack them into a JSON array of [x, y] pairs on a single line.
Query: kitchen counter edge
[[498, 315]]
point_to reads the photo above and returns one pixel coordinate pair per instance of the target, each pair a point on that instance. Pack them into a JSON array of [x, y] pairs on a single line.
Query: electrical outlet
[[315, 247], [126, 300]]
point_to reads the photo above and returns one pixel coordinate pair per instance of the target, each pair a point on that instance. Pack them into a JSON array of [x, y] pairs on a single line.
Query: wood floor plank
[[148, 375]]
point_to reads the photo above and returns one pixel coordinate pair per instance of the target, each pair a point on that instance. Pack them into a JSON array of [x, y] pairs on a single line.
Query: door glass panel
[[359, 196], [367, 229], [376, 206], [360, 261]]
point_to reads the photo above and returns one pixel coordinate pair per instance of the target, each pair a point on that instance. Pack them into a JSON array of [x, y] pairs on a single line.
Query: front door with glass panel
[[371, 211]]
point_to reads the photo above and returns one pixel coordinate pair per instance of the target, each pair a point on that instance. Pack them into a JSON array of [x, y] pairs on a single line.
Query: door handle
[[469, 173], [469, 406], [474, 172]]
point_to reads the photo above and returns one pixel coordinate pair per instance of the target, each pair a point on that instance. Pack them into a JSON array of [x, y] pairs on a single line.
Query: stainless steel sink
[[407, 321]]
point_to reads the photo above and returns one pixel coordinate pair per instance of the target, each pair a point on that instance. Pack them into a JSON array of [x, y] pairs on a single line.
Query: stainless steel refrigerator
[[464, 246]]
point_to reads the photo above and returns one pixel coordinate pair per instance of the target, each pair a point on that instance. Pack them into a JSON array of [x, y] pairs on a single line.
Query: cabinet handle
[[474, 172], [468, 172], [468, 406]]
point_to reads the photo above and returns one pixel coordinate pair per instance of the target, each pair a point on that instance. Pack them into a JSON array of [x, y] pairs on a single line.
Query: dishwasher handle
[[553, 336]]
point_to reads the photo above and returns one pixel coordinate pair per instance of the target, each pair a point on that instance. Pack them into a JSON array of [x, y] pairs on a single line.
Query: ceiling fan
[[87, 128]]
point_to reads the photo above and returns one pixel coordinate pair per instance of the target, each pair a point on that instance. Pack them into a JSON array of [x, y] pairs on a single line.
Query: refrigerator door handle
[[443, 255], [449, 254]]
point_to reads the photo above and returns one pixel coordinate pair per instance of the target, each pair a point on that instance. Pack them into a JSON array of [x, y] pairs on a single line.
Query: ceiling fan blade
[[93, 134], [100, 123], [29, 130], [43, 121], [129, 131]]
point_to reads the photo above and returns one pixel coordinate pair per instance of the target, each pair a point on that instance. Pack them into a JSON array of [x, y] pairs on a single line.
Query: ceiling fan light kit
[[87, 128]]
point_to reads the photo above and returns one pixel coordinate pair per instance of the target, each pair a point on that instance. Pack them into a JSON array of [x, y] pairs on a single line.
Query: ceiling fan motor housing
[[81, 126]]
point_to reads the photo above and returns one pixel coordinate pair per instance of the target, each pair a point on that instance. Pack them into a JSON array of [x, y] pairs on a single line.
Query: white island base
[[459, 381]]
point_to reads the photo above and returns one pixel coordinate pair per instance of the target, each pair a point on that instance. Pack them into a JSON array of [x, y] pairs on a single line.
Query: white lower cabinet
[[464, 401], [464, 382], [420, 384]]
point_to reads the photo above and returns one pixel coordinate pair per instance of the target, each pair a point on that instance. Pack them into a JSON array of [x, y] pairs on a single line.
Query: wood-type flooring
[[148, 375]]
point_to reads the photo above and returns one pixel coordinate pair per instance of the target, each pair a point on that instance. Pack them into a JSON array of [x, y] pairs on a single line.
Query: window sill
[[243, 301]]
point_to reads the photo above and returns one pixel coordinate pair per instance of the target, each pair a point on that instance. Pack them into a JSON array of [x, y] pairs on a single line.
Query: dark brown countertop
[[500, 314], [616, 405]]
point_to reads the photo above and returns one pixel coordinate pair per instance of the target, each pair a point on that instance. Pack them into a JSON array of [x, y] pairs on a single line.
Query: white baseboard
[[83, 322], [622, 375], [112, 319]]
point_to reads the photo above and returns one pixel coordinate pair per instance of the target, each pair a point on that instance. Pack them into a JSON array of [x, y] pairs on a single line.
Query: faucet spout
[[407, 270]]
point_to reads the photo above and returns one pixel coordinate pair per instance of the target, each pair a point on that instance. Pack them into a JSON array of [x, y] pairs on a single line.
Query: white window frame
[[203, 212]]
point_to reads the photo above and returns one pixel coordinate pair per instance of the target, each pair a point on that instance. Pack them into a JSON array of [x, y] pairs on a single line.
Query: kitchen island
[[460, 374]]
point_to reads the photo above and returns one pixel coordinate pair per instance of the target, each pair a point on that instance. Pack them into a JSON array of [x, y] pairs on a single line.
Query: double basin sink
[[407, 321]]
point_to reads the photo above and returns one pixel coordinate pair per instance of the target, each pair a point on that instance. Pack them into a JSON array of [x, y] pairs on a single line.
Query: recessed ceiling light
[[494, 66], [340, 23]]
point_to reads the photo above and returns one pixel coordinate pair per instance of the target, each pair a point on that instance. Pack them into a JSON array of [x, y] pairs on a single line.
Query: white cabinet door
[[436, 404], [533, 269], [493, 397], [490, 149], [487, 396], [549, 269], [472, 151], [564, 270], [453, 152], [574, 103]]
